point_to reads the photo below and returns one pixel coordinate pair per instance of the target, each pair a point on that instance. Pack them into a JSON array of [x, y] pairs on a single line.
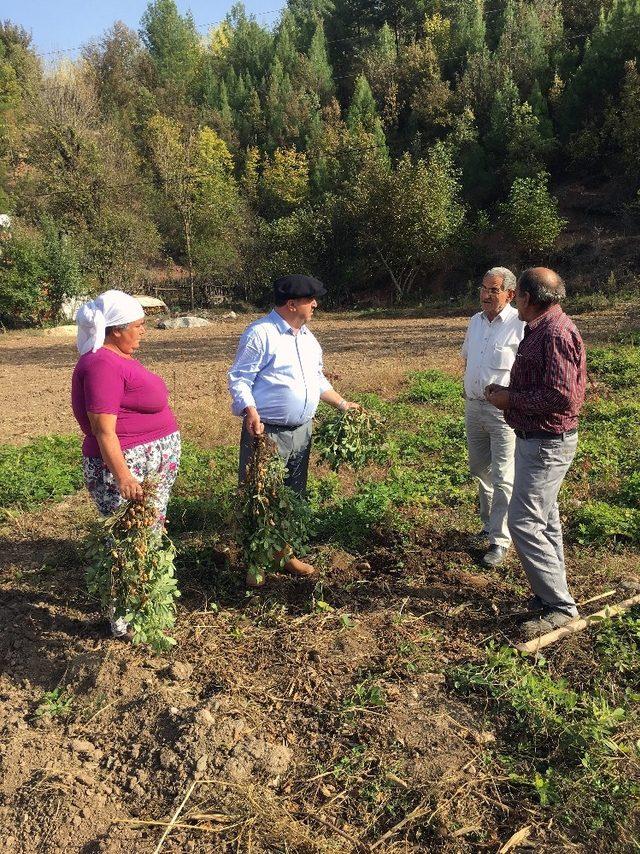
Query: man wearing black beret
[[277, 381]]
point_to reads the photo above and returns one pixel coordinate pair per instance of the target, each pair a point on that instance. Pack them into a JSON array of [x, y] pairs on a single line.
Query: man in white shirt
[[489, 351]]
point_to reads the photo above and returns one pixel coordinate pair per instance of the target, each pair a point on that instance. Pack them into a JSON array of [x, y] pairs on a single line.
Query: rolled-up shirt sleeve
[[251, 357]]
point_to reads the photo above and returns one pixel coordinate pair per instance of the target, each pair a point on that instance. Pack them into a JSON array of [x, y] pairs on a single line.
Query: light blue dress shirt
[[277, 371]]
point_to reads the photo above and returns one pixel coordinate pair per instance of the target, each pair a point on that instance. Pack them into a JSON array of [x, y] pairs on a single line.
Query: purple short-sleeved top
[[108, 384]]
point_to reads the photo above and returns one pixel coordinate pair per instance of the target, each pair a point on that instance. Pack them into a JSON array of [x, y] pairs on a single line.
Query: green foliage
[[132, 571], [352, 438], [55, 704], [618, 645], [350, 521], [385, 115], [38, 269], [172, 41], [273, 522], [565, 745], [599, 522], [433, 387], [202, 498], [619, 368], [530, 214], [44, 470]]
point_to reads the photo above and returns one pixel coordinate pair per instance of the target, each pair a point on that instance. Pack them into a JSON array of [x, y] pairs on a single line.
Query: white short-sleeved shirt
[[490, 350]]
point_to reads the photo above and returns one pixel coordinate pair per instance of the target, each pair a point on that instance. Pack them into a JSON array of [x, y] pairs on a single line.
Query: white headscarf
[[112, 308]]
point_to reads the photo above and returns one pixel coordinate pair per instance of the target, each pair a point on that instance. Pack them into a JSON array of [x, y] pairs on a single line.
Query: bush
[[45, 470], [37, 272], [530, 214]]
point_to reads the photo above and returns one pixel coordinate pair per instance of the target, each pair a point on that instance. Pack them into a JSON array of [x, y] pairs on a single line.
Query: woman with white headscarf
[[123, 410]]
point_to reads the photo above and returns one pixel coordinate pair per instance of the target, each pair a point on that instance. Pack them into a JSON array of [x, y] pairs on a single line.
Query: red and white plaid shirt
[[549, 375]]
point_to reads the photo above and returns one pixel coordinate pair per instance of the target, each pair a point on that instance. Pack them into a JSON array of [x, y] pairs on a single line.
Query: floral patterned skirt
[[158, 460]]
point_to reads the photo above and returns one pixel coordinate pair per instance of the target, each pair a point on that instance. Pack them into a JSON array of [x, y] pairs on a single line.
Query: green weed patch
[[566, 747], [45, 470], [618, 367], [203, 496], [434, 387]]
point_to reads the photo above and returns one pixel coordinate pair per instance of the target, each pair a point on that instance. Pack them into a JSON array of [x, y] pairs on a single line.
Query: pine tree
[[172, 41], [469, 30], [322, 74], [362, 116]]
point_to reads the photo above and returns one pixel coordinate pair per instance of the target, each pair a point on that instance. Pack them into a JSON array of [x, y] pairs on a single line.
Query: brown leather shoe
[[299, 568]]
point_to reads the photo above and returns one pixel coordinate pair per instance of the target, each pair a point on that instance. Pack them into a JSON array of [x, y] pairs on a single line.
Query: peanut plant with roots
[[132, 570], [273, 522]]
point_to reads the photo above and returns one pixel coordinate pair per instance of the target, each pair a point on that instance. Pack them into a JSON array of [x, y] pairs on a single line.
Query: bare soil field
[[361, 355], [278, 724]]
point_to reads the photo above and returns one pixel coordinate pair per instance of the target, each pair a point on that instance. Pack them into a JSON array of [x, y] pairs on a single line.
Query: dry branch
[[577, 626]]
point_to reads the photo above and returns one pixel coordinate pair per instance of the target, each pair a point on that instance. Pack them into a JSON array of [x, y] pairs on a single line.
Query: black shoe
[[548, 621], [495, 556]]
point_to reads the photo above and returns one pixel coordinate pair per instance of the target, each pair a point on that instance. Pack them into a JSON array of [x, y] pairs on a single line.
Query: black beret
[[296, 286]]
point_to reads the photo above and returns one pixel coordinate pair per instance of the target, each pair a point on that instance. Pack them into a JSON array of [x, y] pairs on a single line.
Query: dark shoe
[[548, 621], [495, 556]]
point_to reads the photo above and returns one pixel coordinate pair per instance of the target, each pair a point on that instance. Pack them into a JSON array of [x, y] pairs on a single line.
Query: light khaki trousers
[[491, 443]]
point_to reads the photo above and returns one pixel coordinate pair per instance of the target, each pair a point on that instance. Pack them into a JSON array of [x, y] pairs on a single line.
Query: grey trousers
[[534, 518], [294, 446], [491, 443]]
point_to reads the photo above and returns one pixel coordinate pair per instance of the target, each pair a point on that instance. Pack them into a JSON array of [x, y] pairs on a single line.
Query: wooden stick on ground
[[577, 626]]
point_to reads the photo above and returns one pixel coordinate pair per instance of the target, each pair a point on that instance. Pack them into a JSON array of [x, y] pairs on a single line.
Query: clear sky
[[65, 25]]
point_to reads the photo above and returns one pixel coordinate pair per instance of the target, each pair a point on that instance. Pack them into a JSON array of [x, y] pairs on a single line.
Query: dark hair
[[280, 300], [544, 287]]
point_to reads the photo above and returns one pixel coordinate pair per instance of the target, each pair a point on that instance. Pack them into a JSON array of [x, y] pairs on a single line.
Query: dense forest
[[380, 144]]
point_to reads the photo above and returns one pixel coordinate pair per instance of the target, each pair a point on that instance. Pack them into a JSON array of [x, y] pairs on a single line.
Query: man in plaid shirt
[[542, 404]]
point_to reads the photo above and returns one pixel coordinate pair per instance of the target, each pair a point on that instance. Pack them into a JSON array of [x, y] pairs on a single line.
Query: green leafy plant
[[55, 704], [618, 367], [352, 438], [133, 572], [599, 522], [46, 469], [433, 387], [273, 522]]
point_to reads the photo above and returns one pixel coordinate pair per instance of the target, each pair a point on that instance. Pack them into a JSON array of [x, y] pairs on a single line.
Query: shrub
[[530, 214], [37, 271], [47, 469]]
